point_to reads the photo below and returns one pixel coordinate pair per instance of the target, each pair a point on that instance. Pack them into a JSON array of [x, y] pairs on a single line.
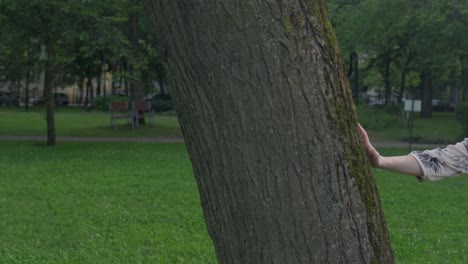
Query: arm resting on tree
[[431, 165], [401, 164]]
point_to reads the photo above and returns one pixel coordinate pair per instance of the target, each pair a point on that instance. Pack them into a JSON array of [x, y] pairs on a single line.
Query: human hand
[[373, 155]]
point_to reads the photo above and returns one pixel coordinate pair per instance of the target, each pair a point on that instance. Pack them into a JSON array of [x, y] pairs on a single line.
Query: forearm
[[401, 164]]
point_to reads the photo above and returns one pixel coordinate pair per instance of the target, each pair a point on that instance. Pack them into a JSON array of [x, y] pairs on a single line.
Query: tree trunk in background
[[426, 88], [404, 71], [356, 88], [353, 74], [388, 89], [136, 93], [26, 87], [267, 114], [18, 91], [402, 85], [89, 88], [80, 84], [99, 77], [464, 78], [49, 96]]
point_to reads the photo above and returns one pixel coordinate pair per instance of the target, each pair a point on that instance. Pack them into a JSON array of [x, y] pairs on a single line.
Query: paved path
[[376, 143]]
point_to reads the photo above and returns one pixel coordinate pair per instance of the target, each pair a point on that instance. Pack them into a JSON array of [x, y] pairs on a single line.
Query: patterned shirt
[[438, 164]]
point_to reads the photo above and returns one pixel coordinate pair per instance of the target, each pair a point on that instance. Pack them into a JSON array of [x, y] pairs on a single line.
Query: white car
[[60, 99]]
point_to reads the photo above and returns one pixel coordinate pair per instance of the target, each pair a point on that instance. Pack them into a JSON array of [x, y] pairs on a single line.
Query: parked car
[[8, 98], [60, 99], [443, 106], [38, 100]]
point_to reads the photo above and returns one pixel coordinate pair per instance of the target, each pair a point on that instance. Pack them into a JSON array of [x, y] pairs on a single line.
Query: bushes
[[161, 103], [462, 117], [379, 117], [101, 103]]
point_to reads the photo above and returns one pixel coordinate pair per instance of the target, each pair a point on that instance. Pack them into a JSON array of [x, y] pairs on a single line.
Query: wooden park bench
[[142, 109], [120, 110]]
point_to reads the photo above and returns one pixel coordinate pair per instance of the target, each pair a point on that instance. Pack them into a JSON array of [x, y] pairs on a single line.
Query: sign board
[[410, 107]]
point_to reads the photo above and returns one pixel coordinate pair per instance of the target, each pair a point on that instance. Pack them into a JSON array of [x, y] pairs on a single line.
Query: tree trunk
[[388, 90], [353, 74], [404, 71], [426, 88], [49, 96], [162, 90], [267, 114], [80, 84], [402, 84], [356, 88], [26, 87], [98, 81], [136, 92], [89, 88], [464, 79], [17, 93]]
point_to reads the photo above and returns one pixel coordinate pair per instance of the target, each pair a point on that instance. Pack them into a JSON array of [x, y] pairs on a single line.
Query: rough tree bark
[[267, 114]]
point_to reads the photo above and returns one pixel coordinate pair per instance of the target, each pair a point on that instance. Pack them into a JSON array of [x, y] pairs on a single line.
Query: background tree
[[47, 26], [83, 40], [405, 42], [266, 110]]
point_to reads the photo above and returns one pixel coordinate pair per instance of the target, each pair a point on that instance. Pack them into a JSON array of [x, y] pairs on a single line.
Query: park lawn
[[441, 128], [84, 124], [100, 203], [138, 203], [427, 221], [72, 121]]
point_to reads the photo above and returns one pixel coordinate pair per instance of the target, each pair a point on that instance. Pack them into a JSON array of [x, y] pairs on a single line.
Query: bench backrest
[[119, 107], [141, 105]]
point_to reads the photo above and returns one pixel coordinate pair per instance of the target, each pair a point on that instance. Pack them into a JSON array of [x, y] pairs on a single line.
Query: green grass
[[441, 128], [86, 124], [73, 121], [427, 221], [138, 203], [100, 203]]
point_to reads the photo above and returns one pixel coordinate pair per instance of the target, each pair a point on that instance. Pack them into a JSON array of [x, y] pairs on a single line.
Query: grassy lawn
[[72, 121], [427, 221], [100, 203], [138, 203], [441, 128], [80, 123]]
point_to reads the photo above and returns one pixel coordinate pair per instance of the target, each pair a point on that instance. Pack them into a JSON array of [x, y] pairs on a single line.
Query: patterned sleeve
[[439, 163]]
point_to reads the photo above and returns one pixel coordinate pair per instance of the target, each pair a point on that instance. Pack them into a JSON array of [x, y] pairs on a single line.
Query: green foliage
[[84, 39], [162, 103], [408, 36], [462, 117], [102, 103]]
